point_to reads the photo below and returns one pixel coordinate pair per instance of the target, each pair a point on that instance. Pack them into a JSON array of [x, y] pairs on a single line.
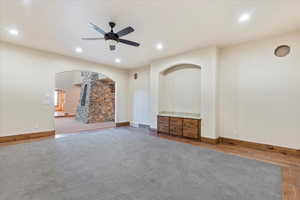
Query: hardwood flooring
[[290, 164]]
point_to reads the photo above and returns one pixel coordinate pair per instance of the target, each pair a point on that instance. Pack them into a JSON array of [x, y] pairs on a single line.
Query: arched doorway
[[83, 100]]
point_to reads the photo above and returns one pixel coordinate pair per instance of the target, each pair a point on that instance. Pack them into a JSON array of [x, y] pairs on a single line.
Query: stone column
[[97, 99]]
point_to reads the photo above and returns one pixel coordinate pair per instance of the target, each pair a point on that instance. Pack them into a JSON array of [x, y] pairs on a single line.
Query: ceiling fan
[[113, 38]]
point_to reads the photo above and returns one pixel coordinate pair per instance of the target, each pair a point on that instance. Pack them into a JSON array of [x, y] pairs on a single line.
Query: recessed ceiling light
[[78, 50], [159, 46], [27, 1], [244, 17], [117, 60], [13, 32]]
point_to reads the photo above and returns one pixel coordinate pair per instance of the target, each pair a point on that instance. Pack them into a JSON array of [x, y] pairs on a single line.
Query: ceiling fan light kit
[[113, 38]]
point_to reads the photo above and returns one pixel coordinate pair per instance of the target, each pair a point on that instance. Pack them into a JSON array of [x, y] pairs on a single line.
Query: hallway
[[70, 125]]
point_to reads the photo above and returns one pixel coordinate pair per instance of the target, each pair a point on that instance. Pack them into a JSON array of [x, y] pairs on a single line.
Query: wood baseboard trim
[[210, 140], [260, 146], [63, 116], [26, 136], [120, 124]]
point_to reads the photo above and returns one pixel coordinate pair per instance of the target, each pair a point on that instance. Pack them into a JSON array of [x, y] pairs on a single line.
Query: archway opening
[[83, 101]]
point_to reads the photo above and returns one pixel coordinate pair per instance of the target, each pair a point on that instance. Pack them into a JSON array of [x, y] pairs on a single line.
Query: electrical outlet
[[134, 124], [236, 132]]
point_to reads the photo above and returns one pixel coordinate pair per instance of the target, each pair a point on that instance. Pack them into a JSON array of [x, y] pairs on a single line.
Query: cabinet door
[[176, 126], [163, 124], [191, 128]]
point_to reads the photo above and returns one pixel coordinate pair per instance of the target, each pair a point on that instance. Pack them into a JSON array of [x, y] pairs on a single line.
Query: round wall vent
[[282, 51]]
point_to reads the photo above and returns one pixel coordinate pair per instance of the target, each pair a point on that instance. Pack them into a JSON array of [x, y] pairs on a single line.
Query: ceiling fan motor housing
[[113, 38]]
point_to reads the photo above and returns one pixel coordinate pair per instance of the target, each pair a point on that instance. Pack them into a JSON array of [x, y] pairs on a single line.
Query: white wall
[[260, 93], [66, 81], [206, 58], [139, 91], [180, 90], [77, 78], [72, 99], [27, 83]]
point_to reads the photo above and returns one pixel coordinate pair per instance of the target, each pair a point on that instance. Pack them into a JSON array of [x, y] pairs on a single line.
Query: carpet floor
[[124, 164]]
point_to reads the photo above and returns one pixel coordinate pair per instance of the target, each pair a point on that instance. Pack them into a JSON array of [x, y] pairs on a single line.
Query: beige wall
[[139, 96], [72, 99], [66, 81], [260, 93], [27, 83], [257, 98]]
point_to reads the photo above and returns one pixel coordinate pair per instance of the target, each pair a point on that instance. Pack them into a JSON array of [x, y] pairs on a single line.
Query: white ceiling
[[58, 25]]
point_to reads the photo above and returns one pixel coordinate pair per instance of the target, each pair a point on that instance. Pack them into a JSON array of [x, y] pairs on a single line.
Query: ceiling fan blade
[[112, 47], [97, 28], [125, 31], [129, 42], [92, 38]]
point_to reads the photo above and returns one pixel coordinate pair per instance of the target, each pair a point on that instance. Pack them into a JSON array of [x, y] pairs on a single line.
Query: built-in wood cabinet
[[163, 124], [179, 126], [191, 128], [176, 126]]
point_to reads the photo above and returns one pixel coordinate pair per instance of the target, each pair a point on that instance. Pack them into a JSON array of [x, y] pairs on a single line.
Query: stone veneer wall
[[99, 105]]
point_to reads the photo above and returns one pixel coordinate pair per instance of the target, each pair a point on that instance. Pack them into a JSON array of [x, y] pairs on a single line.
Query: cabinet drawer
[[163, 119], [176, 126], [191, 128], [191, 123], [163, 124]]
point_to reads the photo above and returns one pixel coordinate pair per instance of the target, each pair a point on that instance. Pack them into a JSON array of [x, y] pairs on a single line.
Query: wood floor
[[290, 164]]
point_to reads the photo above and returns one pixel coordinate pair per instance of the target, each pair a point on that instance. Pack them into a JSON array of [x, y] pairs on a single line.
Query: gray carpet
[[124, 164]]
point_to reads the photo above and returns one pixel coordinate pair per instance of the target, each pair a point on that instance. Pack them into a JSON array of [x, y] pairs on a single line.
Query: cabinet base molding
[[260, 146], [26, 136], [177, 136], [119, 124]]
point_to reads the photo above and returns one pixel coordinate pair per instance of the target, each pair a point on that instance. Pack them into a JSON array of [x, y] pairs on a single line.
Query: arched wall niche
[[206, 59], [180, 89], [179, 67]]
